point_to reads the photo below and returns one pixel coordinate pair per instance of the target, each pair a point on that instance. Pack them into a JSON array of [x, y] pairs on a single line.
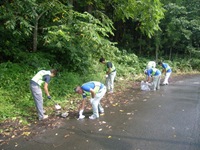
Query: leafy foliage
[[72, 37], [82, 38]]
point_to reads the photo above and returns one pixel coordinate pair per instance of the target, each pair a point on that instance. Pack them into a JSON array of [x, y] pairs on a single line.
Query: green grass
[[16, 100]]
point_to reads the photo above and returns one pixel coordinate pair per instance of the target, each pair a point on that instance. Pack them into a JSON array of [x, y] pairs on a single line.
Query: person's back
[[151, 64], [166, 70]]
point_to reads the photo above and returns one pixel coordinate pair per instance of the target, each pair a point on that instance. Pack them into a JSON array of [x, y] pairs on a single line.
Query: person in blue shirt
[[96, 90], [153, 75], [167, 72]]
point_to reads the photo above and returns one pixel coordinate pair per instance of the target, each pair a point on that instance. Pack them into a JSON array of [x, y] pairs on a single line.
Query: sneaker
[[110, 92], [102, 113], [165, 84], [81, 117], [93, 117], [44, 117]]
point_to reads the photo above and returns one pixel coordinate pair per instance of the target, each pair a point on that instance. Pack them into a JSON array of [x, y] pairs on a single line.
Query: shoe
[[110, 92], [165, 84], [102, 113], [93, 117], [81, 117], [44, 117]]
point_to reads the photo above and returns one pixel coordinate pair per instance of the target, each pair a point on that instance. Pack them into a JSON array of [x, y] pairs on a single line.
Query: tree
[[22, 17], [175, 29]]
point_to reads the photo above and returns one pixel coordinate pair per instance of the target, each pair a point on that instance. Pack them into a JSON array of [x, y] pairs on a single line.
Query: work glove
[[81, 116], [149, 83], [81, 112], [49, 97]]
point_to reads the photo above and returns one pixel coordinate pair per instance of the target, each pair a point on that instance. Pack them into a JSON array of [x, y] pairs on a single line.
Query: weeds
[[16, 100]]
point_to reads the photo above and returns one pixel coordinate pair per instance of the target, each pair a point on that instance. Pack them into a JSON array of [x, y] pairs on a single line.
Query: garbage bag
[[145, 86]]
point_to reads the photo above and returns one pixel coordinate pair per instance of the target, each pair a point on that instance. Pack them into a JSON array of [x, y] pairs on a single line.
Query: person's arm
[[164, 70], [148, 79], [46, 89], [82, 104], [92, 93], [109, 71], [109, 66], [148, 76]]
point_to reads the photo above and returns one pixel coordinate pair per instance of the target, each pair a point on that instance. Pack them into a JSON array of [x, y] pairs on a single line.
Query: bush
[[14, 87], [195, 64], [15, 96]]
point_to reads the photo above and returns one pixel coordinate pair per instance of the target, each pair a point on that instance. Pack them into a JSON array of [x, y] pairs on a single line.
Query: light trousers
[[110, 81], [167, 78], [156, 82], [37, 95], [96, 106]]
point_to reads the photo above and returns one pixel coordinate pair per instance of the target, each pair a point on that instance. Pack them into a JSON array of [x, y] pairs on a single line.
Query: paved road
[[168, 119]]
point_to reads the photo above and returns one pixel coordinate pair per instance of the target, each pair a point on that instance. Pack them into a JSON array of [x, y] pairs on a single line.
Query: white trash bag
[[145, 86]]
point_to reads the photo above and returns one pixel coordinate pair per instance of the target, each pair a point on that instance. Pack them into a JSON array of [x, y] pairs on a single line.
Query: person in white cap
[[153, 74]]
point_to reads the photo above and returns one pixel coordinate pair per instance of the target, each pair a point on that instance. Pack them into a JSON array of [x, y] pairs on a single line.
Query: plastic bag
[[145, 86]]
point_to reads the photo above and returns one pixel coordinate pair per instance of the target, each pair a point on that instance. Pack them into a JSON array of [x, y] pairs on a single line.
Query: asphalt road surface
[[168, 119]]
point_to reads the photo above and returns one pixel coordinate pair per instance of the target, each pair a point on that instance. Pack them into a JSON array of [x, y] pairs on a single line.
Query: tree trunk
[[157, 50], [157, 44], [170, 53], [35, 32], [140, 50], [89, 9], [71, 2]]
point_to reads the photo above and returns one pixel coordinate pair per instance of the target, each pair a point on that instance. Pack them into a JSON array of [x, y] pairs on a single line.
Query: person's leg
[[155, 82], [167, 78], [108, 80], [102, 93], [37, 95], [96, 106], [112, 78], [95, 110], [158, 83]]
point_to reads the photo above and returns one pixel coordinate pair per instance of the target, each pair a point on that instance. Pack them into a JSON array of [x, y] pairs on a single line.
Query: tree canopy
[[75, 32], [72, 35]]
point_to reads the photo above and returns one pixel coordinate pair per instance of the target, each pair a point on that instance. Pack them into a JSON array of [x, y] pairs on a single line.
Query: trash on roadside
[[145, 86], [65, 114]]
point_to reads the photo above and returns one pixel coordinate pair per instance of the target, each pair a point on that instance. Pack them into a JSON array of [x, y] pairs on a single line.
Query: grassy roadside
[[15, 127]]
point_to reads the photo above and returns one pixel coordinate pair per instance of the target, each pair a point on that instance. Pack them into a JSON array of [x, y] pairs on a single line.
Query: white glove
[[106, 75], [81, 116], [149, 83], [81, 112]]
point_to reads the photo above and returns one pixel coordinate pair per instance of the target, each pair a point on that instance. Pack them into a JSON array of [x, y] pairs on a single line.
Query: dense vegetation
[[72, 35]]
